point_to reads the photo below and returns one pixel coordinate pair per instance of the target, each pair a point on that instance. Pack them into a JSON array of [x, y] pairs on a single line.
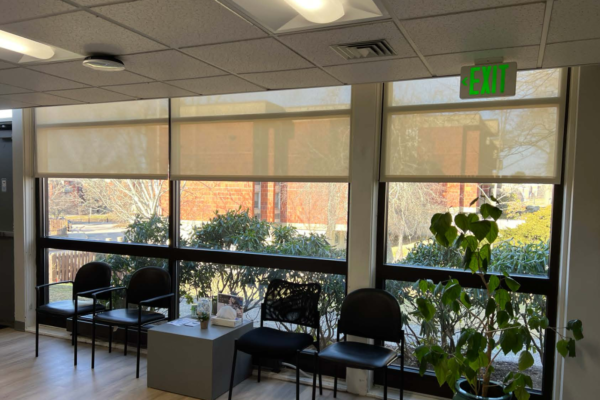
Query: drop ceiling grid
[[152, 41]]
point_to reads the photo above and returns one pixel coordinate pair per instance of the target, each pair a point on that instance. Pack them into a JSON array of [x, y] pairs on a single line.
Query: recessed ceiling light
[[318, 11], [25, 46], [104, 63]]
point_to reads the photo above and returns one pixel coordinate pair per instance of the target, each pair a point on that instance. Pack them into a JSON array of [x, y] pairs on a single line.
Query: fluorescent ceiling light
[[318, 11], [28, 47]]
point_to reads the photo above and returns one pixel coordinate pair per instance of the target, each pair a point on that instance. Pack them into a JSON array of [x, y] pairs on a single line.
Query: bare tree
[[124, 198], [64, 197]]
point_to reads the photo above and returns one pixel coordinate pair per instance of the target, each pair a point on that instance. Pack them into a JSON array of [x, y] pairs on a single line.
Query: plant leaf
[[576, 327], [462, 222], [493, 283], [502, 297], [451, 293], [512, 284], [480, 229], [525, 360], [490, 307], [426, 308], [562, 346], [493, 233], [464, 298], [521, 393]]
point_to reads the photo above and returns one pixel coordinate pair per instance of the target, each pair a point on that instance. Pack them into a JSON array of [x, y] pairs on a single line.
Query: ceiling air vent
[[372, 48]]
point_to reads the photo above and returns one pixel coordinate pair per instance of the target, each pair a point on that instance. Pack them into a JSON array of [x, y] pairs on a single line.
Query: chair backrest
[[371, 313], [293, 303], [94, 275], [148, 283]]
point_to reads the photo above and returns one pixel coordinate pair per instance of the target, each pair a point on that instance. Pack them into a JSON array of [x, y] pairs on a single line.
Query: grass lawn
[[61, 292]]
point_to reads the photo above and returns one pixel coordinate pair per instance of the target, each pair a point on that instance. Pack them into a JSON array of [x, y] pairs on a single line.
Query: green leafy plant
[[203, 317], [499, 325]]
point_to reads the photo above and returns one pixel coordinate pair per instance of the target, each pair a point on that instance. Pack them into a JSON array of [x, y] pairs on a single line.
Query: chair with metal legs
[[372, 314], [148, 287], [285, 302], [90, 278]]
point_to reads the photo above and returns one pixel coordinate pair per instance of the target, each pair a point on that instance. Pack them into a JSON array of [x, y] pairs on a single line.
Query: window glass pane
[[445, 327], [530, 84], [281, 101], [510, 143], [524, 237], [198, 280], [292, 218], [114, 210], [64, 264]]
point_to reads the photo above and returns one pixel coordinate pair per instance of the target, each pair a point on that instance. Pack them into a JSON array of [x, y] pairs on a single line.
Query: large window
[[255, 184], [439, 154]]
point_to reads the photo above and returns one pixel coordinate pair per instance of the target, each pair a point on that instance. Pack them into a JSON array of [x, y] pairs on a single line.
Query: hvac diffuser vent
[[372, 48]]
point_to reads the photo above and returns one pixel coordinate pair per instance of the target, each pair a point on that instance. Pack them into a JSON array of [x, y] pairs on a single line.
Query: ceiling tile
[[181, 23], [572, 53], [217, 85], [258, 56], [315, 45], [35, 80], [151, 90], [41, 99], [91, 95], [7, 89], [574, 20], [84, 34], [300, 78], [76, 71], [380, 71], [478, 30], [405, 9], [6, 103], [170, 64], [92, 3], [450, 64], [5, 65], [17, 10]]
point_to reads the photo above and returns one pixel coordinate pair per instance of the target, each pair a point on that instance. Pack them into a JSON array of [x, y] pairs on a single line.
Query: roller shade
[[113, 140], [259, 140], [517, 140]]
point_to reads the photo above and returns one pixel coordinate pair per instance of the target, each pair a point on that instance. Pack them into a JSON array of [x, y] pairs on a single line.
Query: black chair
[[150, 287], [373, 314], [284, 302], [90, 278]]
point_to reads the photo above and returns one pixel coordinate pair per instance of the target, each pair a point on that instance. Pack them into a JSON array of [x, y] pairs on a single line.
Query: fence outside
[[65, 264]]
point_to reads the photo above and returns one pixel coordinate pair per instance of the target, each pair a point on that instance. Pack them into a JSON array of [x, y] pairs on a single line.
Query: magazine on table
[[230, 310]]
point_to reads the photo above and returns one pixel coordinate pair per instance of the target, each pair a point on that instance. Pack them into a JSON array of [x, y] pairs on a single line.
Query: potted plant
[[204, 318], [494, 328]]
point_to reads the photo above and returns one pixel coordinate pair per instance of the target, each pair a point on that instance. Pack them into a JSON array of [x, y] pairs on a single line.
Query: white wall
[[24, 218], [581, 375]]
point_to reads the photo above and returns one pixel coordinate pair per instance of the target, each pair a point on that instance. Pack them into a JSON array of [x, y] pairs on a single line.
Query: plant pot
[[204, 324], [463, 393]]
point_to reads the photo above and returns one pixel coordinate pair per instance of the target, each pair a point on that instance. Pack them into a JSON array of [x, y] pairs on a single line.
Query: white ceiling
[[175, 48]]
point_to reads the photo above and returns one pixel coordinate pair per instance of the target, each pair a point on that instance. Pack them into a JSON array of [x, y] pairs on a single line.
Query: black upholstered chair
[[148, 287], [373, 314], [90, 278], [284, 302]]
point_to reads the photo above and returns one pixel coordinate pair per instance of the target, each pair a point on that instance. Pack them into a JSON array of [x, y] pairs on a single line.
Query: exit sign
[[491, 80]]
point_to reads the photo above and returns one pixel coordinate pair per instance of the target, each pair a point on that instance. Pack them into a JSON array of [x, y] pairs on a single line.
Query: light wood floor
[[53, 376]]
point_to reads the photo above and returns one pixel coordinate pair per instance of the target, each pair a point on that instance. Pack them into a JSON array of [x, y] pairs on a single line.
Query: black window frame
[[541, 285]]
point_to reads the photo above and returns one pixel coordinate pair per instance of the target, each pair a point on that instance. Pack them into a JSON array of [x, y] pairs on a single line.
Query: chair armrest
[[51, 284], [95, 294], [147, 302], [92, 291]]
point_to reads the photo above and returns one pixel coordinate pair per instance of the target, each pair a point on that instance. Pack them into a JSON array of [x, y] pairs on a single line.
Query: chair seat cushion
[[128, 316], [66, 308], [273, 343], [358, 355]]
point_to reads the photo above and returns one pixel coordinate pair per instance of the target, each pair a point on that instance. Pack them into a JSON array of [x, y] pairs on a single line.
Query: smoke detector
[[104, 63]]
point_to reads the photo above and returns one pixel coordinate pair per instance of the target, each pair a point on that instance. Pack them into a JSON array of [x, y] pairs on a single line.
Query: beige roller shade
[[515, 140], [261, 139], [114, 140]]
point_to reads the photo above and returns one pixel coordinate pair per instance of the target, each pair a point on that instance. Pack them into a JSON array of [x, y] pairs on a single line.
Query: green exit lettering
[[494, 80]]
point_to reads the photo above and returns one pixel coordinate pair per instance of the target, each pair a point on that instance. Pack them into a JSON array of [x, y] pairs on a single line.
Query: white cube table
[[195, 362]]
